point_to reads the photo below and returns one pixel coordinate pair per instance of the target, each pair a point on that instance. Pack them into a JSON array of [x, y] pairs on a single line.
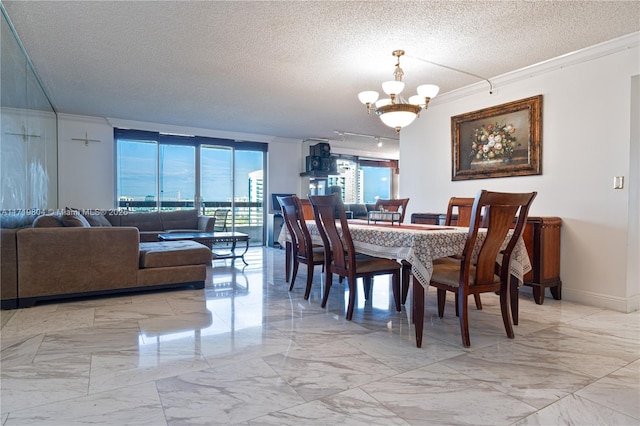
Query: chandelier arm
[[456, 70]]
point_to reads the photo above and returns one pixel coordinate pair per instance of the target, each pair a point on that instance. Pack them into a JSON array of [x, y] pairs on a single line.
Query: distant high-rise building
[[256, 190], [349, 180]]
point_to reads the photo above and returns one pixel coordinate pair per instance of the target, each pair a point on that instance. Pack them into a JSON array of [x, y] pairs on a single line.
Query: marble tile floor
[[247, 351]]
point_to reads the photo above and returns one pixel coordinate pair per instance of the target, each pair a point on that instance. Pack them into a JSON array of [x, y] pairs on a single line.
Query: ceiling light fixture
[[395, 111]]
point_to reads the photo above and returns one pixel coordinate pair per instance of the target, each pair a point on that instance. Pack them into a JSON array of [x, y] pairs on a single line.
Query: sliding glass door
[[216, 184], [231, 184], [137, 177], [177, 173], [218, 177]]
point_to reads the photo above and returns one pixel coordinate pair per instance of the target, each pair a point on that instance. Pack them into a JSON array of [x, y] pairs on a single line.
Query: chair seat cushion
[[318, 254], [367, 264], [447, 271]]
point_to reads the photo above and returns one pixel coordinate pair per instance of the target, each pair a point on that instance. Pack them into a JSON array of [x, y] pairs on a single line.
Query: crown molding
[[620, 44]]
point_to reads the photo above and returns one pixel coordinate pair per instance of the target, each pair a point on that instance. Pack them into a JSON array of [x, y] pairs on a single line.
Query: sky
[[137, 164]]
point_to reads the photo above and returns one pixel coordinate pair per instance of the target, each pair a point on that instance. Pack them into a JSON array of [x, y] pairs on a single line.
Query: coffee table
[[210, 238], [383, 216]]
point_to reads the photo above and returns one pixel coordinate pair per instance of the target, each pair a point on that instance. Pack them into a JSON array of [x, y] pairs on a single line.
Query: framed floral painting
[[500, 141]]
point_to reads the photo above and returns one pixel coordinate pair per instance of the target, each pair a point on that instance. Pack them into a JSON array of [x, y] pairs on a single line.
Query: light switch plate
[[618, 182]]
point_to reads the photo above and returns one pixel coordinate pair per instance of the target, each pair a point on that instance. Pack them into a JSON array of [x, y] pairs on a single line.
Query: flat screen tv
[[275, 205]]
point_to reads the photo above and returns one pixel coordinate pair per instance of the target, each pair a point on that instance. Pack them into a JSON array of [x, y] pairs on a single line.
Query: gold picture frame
[[500, 141]]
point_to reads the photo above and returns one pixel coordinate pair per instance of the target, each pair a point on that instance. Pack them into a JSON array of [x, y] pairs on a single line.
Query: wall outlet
[[618, 182]]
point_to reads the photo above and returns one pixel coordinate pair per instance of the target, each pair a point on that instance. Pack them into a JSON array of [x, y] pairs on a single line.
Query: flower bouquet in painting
[[492, 144]]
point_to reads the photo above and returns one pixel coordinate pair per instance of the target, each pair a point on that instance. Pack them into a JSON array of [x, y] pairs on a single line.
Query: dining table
[[420, 245]]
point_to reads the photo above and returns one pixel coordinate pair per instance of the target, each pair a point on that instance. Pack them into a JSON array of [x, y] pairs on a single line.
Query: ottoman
[[173, 262]]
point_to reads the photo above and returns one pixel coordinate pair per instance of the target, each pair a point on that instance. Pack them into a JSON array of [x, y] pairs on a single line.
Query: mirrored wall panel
[[28, 139]]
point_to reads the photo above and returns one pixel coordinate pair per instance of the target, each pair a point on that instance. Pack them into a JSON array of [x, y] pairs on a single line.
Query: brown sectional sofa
[[150, 224], [56, 261], [359, 211]]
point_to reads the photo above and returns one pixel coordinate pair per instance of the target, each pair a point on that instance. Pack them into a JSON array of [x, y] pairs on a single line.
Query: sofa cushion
[[95, 218], [73, 218], [51, 220], [144, 221], [179, 219], [173, 253], [359, 210], [149, 236], [14, 219], [113, 216]]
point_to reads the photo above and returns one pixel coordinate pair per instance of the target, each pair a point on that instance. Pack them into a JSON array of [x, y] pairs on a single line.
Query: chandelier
[[395, 111]]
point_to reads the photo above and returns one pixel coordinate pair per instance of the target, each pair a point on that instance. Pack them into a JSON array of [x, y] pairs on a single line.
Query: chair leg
[[442, 298], [418, 310], [294, 273], [395, 283], [464, 320], [352, 296], [514, 293], [327, 286], [478, 302], [307, 291], [456, 303], [288, 249], [504, 308], [406, 276], [367, 282]]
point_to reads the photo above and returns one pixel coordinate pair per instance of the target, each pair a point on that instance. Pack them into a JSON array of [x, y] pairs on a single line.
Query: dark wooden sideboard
[[542, 238]]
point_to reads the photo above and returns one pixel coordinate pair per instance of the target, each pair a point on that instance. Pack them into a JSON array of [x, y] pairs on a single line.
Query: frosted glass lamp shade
[[428, 90], [398, 119], [417, 100], [392, 87], [398, 115], [383, 102], [368, 97]]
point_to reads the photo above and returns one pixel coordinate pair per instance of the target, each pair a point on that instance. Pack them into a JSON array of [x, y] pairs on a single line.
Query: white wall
[[85, 172], [585, 143]]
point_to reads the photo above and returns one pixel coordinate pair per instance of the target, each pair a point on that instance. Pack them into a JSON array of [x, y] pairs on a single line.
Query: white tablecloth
[[417, 244]]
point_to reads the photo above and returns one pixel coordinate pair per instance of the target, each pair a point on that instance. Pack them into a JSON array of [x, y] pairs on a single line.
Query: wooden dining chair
[[462, 208], [340, 255], [458, 214], [470, 276], [459, 211], [303, 250], [394, 205]]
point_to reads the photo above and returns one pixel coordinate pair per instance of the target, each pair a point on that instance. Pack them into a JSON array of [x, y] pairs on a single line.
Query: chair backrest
[[292, 211], [463, 207], [394, 205], [307, 209], [338, 243], [500, 209], [221, 219]]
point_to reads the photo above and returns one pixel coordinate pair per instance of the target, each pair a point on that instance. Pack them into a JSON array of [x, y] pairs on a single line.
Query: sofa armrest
[[206, 223]]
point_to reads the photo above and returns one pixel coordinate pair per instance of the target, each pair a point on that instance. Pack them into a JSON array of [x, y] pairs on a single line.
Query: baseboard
[[600, 300]]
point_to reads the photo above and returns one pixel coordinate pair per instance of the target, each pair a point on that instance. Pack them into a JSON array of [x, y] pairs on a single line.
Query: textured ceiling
[[287, 69]]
